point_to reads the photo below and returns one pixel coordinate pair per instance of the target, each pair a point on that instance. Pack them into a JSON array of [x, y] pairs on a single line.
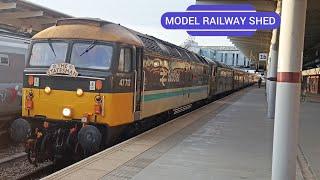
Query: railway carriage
[[224, 79], [13, 48], [238, 78], [212, 77]]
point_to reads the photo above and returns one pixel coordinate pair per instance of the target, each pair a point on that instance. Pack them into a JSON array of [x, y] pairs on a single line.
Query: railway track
[[38, 173], [14, 164], [17, 166]]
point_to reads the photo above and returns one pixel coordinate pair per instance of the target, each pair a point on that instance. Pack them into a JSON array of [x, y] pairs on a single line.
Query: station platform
[[228, 139]]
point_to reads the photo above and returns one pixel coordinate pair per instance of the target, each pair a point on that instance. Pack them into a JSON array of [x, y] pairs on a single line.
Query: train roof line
[[92, 21], [158, 46]]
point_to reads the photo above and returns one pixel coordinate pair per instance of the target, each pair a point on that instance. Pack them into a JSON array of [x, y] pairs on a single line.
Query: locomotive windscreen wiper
[[51, 47], [89, 48]]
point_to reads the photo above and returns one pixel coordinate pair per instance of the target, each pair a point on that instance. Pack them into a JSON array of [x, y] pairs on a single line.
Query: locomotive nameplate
[[62, 68]]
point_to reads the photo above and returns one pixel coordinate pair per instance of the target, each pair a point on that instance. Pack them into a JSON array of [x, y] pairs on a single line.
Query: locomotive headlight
[[66, 112], [47, 90], [79, 92]]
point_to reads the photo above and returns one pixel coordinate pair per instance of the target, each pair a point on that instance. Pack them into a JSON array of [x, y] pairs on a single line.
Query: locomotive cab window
[[91, 56], [44, 54], [125, 60]]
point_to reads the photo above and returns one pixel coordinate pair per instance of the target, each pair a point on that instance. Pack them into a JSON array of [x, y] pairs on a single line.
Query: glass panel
[[91, 56], [125, 60], [4, 60], [121, 61], [127, 65], [44, 55]]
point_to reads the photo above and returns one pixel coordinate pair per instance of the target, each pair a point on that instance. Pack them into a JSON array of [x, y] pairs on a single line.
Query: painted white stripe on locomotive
[[174, 89]]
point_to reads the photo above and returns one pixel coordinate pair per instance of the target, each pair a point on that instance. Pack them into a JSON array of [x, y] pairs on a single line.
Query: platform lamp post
[[287, 112]]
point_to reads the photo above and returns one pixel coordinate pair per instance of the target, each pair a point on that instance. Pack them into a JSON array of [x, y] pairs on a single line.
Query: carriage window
[[47, 53], [4, 60], [125, 60], [91, 56], [213, 71]]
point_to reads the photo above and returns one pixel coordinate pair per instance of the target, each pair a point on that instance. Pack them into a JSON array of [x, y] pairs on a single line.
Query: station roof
[[26, 16], [260, 41]]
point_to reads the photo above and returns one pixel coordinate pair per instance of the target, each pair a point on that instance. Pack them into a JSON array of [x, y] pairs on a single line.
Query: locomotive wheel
[[89, 138], [20, 130]]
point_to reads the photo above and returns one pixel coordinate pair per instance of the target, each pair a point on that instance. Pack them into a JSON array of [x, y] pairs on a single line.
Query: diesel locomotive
[[87, 79]]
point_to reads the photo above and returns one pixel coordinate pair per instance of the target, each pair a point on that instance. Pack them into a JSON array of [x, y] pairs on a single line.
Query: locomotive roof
[[97, 29], [168, 49], [209, 61], [86, 28]]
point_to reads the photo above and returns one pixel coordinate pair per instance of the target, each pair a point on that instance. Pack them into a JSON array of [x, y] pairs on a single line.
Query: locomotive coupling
[[20, 130]]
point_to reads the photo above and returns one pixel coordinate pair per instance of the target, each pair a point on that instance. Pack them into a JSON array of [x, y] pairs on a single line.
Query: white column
[[272, 74], [267, 75], [286, 125]]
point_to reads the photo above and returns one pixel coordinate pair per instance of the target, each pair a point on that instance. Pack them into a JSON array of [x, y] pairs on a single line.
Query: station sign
[[263, 56], [220, 20]]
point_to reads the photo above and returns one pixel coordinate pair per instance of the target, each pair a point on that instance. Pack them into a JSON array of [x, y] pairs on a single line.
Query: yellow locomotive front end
[[79, 84]]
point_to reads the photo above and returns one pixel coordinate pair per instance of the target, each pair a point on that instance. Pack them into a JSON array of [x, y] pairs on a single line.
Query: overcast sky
[[141, 15]]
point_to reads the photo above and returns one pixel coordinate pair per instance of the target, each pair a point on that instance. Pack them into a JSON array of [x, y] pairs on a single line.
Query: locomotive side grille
[[184, 54], [151, 45], [173, 51]]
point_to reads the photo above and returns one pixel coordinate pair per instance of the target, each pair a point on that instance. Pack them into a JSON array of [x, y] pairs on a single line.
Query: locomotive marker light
[[79, 92], [220, 20], [99, 84], [47, 90], [30, 80]]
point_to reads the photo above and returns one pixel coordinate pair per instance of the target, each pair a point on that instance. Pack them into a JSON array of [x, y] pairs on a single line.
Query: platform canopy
[[27, 16], [260, 42]]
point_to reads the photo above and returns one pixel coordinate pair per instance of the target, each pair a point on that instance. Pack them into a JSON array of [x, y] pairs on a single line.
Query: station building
[[229, 55]]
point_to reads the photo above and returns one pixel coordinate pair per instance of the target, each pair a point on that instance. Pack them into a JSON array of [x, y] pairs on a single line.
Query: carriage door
[[138, 85]]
